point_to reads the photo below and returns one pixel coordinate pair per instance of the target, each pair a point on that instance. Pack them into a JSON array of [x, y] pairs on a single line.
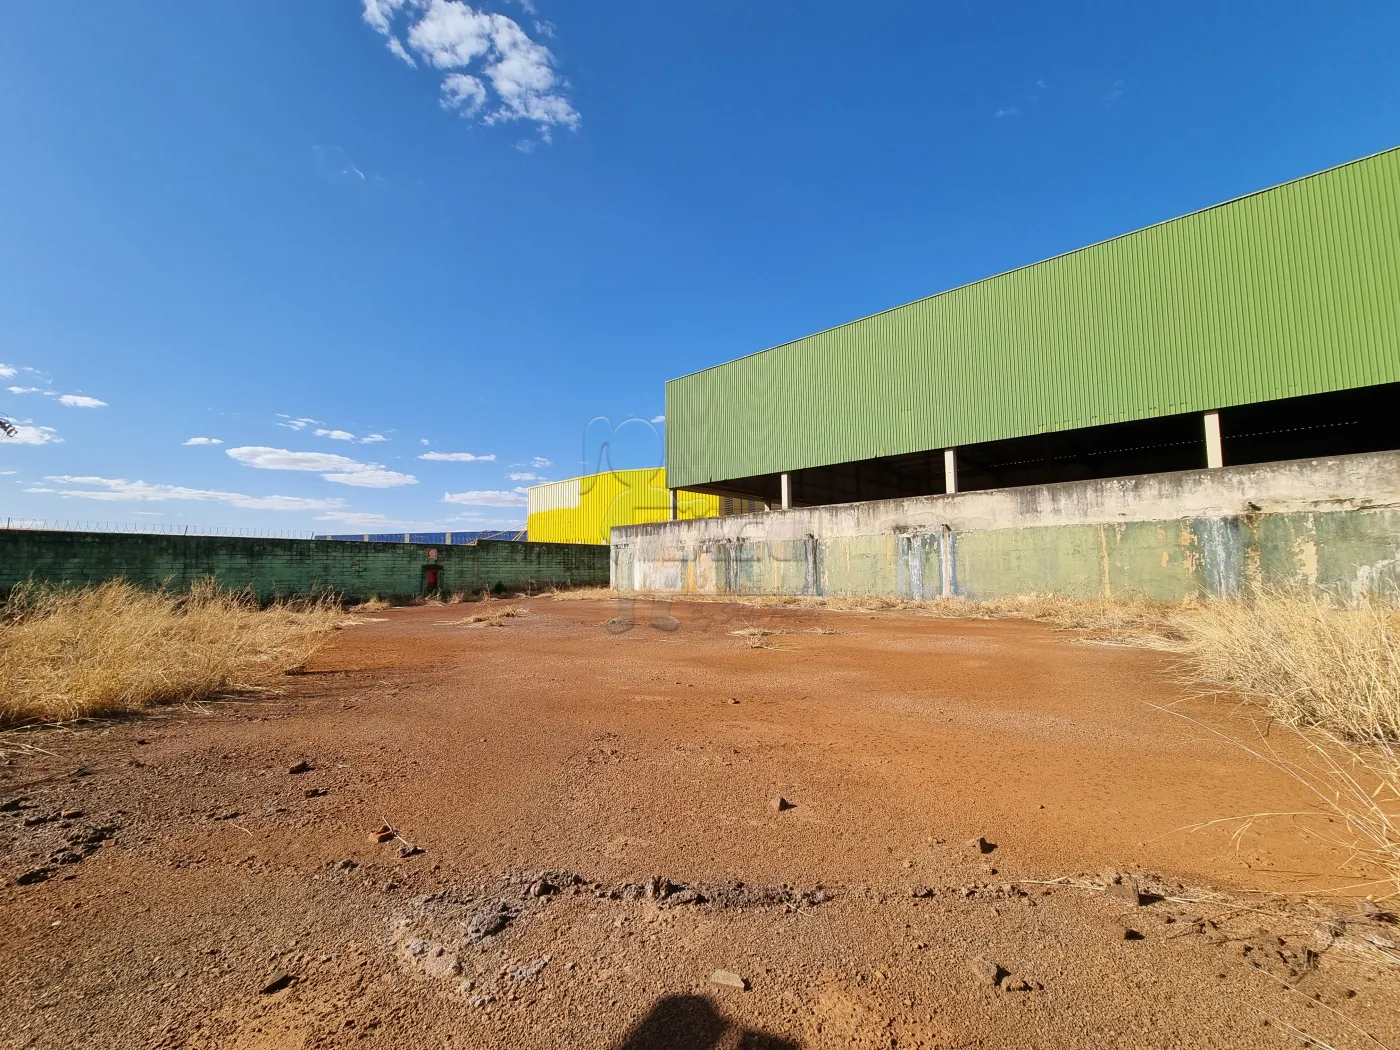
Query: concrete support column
[[786, 481], [950, 469], [1215, 450], [675, 506]]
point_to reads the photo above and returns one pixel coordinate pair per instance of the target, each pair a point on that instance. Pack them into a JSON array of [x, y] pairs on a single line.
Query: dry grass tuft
[[1137, 621], [374, 603], [68, 653], [757, 637], [581, 594], [1312, 663], [1333, 675], [490, 618]]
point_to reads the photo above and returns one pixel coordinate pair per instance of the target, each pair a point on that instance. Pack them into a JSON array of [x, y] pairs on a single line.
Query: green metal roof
[[1292, 290]]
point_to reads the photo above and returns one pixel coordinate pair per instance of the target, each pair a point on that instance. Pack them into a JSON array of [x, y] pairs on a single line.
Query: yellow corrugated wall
[[584, 510]]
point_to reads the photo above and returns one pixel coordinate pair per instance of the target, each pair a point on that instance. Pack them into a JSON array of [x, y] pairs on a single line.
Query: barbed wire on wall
[[151, 528]]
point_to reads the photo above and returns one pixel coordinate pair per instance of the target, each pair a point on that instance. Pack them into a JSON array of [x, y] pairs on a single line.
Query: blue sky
[[393, 257]]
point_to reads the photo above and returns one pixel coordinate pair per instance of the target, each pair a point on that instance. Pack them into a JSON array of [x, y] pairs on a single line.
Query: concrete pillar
[[675, 506], [787, 491], [1215, 451], [950, 469]]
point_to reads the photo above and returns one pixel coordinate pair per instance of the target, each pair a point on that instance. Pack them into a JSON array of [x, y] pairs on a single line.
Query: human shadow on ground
[[693, 1022]]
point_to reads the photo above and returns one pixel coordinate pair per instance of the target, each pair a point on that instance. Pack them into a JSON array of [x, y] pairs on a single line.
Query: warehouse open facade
[[1261, 330], [1199, 408], [1331, 424]]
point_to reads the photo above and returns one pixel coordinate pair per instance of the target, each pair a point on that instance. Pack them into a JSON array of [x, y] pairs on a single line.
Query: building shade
[[1290, 291]]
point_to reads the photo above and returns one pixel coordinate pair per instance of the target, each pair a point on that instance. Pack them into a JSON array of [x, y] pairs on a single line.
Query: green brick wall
[[276, 567]]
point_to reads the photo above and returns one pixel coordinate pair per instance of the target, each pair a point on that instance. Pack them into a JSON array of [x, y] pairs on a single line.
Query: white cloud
[[6, 372], [451, 35], [479, 46], [40, 489], [296, 422], [525, 476], [457, 457], [340, 469], [524, 78], [463, 93], [372, 438], [335, 435], [71, 400], [27, 435], [424, 441], [379, 12], [540, 461], [1009, 111], [334, 164], [372, 478], [204, 441], [488, 498], [397, 49], [658, 419], [265, 458], [121, 490]]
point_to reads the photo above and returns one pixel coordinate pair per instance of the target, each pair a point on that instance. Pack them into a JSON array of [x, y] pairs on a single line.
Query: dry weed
[[1313, 663], [1097, 615], [757, 637], [374, 603], [490, 618], [579, 594], [72, 653], [1332, 674]]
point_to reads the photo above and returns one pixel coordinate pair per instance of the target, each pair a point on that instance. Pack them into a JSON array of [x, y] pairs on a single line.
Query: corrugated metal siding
[[553, 495], [1293, 290], [585, 510]]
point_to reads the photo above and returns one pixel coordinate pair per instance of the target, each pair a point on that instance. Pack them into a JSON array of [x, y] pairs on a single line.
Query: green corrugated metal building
[[1274, 318]]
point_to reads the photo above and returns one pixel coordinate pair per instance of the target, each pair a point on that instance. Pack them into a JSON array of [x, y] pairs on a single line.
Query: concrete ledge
[[1331, 524]]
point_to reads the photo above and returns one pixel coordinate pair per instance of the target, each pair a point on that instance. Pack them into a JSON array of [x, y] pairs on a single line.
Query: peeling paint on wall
[[908, 548]]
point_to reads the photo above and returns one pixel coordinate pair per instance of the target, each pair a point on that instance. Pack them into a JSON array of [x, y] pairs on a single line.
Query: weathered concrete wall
[[272, 567], [1324, 524]]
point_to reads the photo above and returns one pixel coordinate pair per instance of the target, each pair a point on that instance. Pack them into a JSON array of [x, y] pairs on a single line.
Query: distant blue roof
[[441, 538]]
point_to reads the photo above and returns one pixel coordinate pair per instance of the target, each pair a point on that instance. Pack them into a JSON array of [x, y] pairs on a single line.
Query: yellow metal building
[[584, 510]]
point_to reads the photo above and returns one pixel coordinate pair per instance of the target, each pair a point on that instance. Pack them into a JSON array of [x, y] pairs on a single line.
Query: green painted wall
[[273, 567], [1294, 290], [1342, 553]]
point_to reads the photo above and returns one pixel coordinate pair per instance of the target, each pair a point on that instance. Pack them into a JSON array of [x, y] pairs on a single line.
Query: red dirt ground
[[595, 815]]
